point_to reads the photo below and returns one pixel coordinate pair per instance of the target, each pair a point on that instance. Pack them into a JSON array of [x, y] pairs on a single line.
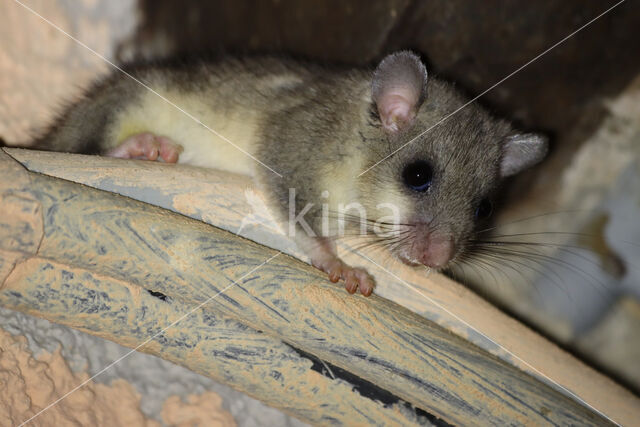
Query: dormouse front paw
[[354, 278]]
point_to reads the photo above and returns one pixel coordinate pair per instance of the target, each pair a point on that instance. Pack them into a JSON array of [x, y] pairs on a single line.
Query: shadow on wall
[[473, 43]]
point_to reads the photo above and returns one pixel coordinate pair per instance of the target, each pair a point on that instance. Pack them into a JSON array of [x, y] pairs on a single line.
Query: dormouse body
[[306, 134]]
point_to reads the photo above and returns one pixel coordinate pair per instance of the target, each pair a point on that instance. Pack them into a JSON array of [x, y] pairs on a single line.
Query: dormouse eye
[[484, 209], [418, 175]]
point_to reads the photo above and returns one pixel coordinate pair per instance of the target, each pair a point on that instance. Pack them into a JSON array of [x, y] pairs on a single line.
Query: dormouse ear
[[399, 86], [522, 151]]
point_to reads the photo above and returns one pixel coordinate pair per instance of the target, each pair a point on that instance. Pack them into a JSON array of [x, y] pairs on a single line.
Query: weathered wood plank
[[207, 343], [224, 199], [373, 338]]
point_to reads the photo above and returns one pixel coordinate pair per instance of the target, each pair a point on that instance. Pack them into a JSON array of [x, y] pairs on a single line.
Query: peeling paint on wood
[[373, 338], [203, 341]]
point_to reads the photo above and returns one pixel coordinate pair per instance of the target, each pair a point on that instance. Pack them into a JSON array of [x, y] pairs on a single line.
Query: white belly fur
[[202, 147]]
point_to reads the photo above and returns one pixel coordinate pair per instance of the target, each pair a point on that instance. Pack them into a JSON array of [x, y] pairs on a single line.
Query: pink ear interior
[[398, 88], [396, 109]]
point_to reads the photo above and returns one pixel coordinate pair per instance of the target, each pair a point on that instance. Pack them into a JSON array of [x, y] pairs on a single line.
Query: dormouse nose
[[438, 251]]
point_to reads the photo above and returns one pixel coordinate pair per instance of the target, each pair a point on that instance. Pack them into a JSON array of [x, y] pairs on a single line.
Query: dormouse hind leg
[[147, 146], [323, 257]]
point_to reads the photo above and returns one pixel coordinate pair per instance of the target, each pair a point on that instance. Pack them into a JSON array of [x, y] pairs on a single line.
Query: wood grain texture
[[373, 338], [205, 342]]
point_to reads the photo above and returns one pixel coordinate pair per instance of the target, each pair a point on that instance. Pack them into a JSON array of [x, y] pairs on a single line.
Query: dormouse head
[[440, 158]]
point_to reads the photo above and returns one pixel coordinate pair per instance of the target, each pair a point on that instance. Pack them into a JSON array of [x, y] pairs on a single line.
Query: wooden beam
[[201, 340], [374, 339]]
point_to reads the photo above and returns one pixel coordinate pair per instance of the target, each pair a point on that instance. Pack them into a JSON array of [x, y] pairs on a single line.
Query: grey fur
[[310, 125], [82, 127]]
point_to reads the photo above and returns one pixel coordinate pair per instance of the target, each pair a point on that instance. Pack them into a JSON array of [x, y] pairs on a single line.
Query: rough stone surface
[[41, 68], [44, 391], [154, 379]]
